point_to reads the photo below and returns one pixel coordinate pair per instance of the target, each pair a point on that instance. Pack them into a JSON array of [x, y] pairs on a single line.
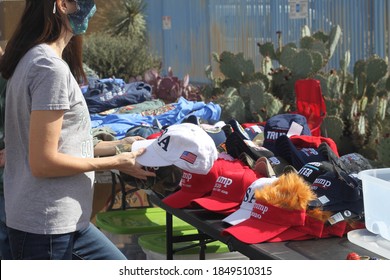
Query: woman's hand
[[130, 140], [129, 165]]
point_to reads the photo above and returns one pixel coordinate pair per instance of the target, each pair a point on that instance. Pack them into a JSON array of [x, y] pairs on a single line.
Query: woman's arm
[[46, 161], [108, 148]]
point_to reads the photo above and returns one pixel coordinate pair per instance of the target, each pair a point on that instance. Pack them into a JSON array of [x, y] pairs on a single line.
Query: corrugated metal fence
[[186, 32]]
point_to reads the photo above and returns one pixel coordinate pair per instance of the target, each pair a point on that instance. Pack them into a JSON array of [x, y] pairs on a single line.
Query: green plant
[[129, 21], [169, 87], [298, 62], [360, 100], [241, 91], [119, 56], [358, 115]]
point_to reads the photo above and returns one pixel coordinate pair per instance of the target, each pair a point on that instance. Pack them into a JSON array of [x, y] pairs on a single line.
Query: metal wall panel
[[200, 27]]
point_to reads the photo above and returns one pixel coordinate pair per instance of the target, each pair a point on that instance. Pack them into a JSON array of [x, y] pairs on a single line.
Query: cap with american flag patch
[[184, 145]]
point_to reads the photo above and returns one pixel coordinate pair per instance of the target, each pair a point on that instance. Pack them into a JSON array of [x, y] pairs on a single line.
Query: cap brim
[[181, 199], [215, 204], [252, 232], [150, 157], [238, 216], [290, 234], [264, 167]]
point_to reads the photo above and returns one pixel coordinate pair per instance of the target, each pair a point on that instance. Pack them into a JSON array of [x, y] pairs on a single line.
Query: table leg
[[169, 239]]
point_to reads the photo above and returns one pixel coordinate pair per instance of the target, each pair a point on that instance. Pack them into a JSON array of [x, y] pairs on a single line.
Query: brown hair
[[39, 25]]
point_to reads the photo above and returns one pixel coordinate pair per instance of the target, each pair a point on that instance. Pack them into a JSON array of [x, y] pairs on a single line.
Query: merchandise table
[[210, 225]]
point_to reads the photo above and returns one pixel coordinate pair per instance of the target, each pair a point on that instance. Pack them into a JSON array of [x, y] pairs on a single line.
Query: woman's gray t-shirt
[[43, 81]]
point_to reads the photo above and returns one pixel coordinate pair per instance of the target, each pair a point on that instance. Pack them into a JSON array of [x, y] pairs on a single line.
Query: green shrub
[[119, 56]]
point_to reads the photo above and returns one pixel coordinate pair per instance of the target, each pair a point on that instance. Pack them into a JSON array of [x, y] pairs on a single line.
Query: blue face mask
[[79, 19]]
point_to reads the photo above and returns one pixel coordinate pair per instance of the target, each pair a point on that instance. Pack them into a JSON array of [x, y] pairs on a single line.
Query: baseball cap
[[215, 132], [283, 124], [311, 170], [278, 206], [307, 141], [338, 192], [229, 188], [184, 145], [253, 130], [144, 130], [248, 201], [265, 222], [235, 145], [331, 156], [297, 158], [312, 228], [354, 163], [239, 129], [272, 166], [337, 229], [166, 181], [193, 186]]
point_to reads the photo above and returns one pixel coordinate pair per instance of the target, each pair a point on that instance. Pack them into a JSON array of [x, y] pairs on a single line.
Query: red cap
[[311, 229], [289, 235], [229, 188], [338, 229], [266, 221], [193, 186]]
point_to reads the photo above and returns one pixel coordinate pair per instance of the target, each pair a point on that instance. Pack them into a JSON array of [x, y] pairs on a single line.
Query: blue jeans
[[5, 250], [87, 244]]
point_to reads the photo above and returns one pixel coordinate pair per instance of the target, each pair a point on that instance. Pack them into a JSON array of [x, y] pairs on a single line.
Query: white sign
[[298, 9], [166, 22]]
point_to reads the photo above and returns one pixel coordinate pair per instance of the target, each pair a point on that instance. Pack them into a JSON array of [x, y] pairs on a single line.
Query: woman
[[50, 163]]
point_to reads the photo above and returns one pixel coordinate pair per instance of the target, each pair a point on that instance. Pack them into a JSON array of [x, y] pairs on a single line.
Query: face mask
[[79, 19]]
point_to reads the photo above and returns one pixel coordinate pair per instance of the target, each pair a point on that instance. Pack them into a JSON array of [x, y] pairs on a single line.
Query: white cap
[[248, 201], [184, 145]]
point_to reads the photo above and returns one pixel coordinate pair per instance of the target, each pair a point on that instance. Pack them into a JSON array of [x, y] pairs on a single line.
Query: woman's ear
[[65, 6]]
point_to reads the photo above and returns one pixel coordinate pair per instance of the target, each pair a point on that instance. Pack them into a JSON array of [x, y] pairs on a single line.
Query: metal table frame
[[210, 225]]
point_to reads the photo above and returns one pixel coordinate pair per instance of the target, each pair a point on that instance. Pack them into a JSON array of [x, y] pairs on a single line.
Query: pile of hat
[[271, 182]]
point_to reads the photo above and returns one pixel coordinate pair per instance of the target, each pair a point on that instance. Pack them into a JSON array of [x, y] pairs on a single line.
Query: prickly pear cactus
[[232, 105], [332, 127], [235, 67], [384, 151]]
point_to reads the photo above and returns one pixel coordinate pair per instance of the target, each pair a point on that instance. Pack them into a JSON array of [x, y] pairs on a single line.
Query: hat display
[[248, 201], [193, 186], [297, 158], [284, 124], [184, 145], [229, 189]]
